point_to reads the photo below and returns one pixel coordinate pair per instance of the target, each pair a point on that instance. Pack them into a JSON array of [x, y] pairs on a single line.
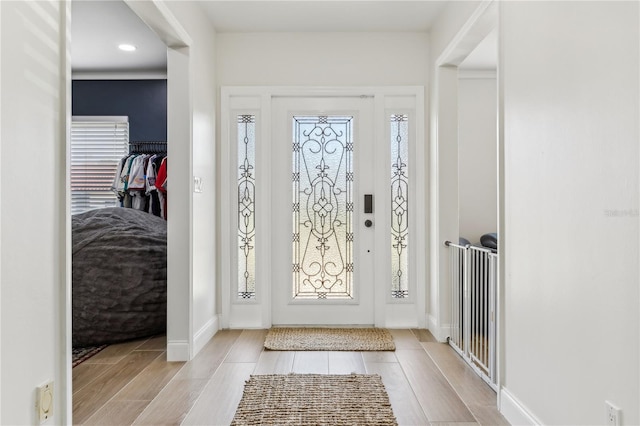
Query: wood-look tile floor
[[132, 383]]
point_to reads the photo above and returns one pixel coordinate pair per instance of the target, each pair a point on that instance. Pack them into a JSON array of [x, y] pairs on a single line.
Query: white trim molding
[[118, 75], [178, 350], [444, 205], [441, 333], [469, 74], [515, 411], [205, 334], [157, 15]]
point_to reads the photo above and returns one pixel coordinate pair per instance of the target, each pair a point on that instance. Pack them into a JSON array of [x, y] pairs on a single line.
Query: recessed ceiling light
[[127, 47]]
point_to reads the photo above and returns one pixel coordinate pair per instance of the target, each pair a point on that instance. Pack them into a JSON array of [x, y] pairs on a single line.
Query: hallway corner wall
[[192, 317], [443, 166], [571, 130], [477, 155], [202, 110], [34, 263]]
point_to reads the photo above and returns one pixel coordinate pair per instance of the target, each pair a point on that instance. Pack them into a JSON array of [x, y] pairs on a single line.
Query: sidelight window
[[246, 143], [399, 205]]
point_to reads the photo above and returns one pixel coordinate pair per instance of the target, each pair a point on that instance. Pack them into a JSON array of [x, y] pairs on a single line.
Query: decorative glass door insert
[[399, 142], [323, 207], [246, 143]]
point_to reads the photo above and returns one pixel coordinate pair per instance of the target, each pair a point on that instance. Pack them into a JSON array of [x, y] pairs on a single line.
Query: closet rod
[[148, 147]]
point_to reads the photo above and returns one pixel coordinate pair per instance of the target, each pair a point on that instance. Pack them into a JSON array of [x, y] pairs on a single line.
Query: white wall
[[570, 75], [443, 166], [34, 221], [0, 223], [191, 263], [203, 165], [477, 156], [170, 30], [179, 206], [322, 59], [33, 198]]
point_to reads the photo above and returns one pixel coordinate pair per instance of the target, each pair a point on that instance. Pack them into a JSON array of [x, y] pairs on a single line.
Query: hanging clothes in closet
[[140, 181]]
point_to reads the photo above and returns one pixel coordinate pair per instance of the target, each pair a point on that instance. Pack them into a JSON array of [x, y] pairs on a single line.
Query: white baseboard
[[401, 324], [432, 325], [439, 332], [205, 334], [178, 350], [423, 321], [515, 411], [245, 325]]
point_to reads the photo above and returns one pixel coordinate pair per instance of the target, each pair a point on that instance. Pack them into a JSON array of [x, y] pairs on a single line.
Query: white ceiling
[[320, 16], [98, 27]]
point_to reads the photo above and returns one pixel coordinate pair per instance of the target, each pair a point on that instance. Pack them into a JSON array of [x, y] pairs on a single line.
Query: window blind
[[97, 145]]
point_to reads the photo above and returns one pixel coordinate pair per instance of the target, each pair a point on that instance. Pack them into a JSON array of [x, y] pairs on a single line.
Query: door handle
[[368, 203], [368, 223]]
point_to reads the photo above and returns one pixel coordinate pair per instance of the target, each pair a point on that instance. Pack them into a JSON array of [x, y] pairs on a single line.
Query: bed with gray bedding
[[119, 276]]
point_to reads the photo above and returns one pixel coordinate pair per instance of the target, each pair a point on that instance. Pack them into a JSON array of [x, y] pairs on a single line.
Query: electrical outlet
[[44, 402], [613, 414]]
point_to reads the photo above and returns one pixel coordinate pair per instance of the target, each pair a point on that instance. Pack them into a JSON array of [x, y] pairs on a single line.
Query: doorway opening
[[466, 197], [118, 146], [170, 40]]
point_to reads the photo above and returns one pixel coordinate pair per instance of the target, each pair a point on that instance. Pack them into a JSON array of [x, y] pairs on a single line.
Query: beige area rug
[[329, 339], [314, 399]]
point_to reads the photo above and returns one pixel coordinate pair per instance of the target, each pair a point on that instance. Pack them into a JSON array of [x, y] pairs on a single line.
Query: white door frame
[[358, 310], [444, 173], [180, 334], [257, 100], [444, 161]]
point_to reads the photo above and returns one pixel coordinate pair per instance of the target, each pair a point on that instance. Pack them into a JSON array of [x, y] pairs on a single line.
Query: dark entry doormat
[[314, 399]]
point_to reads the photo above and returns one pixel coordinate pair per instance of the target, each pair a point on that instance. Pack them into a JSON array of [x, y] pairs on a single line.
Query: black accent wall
[[144, 101]]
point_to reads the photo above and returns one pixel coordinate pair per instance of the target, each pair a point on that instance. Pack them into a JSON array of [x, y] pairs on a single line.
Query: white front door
[[322, 161], [324, 197]]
